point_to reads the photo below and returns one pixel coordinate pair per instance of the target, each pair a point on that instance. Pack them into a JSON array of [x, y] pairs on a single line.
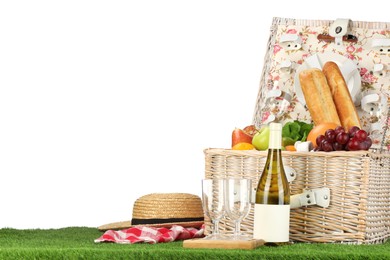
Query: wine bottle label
[[271, 223]]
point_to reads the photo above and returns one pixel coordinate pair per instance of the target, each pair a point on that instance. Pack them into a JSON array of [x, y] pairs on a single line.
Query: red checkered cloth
[[150, 235]]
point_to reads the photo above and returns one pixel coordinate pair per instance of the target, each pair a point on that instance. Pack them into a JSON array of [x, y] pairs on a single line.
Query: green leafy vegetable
[[296, 130]]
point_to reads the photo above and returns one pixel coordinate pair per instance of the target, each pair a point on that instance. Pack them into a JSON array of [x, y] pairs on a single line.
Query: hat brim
[[127, 224]]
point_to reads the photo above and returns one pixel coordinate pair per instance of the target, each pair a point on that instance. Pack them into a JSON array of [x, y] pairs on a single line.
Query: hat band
[[148, 221]]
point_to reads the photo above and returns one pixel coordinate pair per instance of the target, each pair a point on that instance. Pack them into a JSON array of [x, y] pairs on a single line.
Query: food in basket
[[291, 148], [243, 135], [318, 97], [359, 139], [286, 141], [319, 130], [291, 133], [338, 139], [295, 131], [243, 146], [250, 130], [303, 146], [261, 138], [341, 97]]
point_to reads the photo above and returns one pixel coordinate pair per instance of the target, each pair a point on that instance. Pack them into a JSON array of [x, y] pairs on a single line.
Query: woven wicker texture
[[359, 184], [168, 205], [359, 181]]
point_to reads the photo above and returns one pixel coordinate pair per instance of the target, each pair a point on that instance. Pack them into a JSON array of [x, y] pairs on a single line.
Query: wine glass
[[212, 198], [237, 195]]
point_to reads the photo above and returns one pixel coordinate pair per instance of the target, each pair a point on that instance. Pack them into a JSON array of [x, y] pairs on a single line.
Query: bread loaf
[[318, 97], [341, 96]]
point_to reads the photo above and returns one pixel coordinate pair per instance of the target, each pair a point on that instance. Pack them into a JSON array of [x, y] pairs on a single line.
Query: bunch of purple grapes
[[339, 140]]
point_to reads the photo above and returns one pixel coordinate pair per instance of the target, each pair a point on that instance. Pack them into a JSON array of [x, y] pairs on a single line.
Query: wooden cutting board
[[226, 244]]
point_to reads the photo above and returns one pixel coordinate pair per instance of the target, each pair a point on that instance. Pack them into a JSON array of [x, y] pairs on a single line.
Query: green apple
[[261, 139], [287, 141]]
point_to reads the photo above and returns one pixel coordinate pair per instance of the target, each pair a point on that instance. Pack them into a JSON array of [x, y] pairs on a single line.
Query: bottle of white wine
[[272, 208]]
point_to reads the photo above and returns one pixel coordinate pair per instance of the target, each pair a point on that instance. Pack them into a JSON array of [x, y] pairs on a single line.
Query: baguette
[[341, 96], [318, 97]]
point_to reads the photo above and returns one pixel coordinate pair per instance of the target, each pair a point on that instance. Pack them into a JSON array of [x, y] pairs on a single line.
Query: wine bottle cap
[[275, 127], [275, 137]]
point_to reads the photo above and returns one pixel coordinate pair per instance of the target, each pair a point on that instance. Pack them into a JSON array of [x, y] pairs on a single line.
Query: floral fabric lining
[[373, 64]]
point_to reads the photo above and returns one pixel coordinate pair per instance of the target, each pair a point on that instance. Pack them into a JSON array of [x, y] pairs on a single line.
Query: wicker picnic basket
[[359, 182], [359, 200]]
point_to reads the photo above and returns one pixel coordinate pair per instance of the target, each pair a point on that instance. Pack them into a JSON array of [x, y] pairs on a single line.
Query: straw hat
[[163, 210]]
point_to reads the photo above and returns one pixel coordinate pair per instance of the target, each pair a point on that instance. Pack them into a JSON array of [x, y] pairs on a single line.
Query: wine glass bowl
[[213, 204]]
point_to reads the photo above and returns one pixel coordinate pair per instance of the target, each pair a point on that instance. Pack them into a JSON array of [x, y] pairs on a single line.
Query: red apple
[[250, 130]]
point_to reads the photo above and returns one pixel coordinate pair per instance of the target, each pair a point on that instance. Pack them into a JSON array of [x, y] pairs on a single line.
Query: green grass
[[77, 243]]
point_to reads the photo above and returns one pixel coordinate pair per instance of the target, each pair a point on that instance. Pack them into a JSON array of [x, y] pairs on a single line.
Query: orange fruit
[[319, 129], [243, 146], [290, 148]]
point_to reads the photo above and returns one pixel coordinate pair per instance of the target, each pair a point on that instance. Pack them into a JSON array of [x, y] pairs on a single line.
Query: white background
[[102, 102]]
